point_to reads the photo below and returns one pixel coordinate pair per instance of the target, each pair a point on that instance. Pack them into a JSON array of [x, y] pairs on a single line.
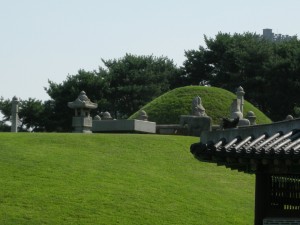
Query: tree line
[[268, 71]]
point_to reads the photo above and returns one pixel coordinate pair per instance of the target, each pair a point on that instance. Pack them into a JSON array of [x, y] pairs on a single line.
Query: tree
[[59, 115], [31, 114], [136, 80], [196, 68], [283, 76], [122, 87], [5, 109], [4, 127], [268, 71]]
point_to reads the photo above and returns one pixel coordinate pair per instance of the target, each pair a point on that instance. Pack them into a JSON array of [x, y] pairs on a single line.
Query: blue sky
[[49, 39]]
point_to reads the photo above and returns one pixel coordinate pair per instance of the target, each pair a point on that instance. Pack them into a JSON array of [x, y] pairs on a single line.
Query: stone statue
[[143, 115], [97, 117], [198, 121], [106, 116], [197, 108]]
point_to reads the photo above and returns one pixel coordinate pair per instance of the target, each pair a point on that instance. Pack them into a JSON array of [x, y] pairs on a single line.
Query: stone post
[[240, 96], [14, 114], [251, 117]]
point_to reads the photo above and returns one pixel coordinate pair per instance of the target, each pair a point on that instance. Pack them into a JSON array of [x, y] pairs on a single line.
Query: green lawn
[[116, 179]]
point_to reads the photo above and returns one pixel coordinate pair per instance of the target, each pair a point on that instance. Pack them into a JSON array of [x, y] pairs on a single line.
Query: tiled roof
[[276, 152]]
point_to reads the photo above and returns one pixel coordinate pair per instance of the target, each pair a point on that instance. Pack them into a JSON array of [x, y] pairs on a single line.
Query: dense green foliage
[[93, 83], [167, 108], [116, 179], [33, 114], [268, 71], [121, 88], [136, 80]]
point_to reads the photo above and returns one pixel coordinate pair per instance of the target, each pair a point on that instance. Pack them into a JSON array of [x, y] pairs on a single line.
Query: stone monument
[[82, 121], [198, 121], [251, 117], [97, 118], [106, 116], [237, 108], [143, 115], [197, 107], [240, 97], [289, 117], [14, 114]]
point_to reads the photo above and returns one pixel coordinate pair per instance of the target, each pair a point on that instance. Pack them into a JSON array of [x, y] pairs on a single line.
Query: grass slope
[[167, 108], [116, 179]]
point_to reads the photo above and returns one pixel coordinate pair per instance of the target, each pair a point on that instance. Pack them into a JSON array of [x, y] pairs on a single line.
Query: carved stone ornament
[[82, 102]]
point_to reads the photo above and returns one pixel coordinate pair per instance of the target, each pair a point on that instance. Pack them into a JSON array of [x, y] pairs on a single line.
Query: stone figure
[[106, 116], [197, 107], [143, 115], [198, 121], [97, 117]]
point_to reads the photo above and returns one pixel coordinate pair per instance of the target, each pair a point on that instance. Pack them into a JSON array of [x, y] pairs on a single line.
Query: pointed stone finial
[[251, 117], [240, 91]]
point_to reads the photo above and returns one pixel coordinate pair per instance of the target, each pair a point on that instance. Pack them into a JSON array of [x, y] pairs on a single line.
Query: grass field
[[116, 179]]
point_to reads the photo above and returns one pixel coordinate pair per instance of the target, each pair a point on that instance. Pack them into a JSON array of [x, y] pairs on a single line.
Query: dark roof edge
[[256, 131]]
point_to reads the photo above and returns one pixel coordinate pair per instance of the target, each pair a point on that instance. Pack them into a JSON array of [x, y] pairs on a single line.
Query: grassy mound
[[167, 108], [116, 179]]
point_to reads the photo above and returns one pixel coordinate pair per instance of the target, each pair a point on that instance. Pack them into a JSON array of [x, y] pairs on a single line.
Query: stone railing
[[256, 130]]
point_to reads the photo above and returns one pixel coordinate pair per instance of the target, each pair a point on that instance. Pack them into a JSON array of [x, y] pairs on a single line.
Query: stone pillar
[[240, 96], [14, 114]]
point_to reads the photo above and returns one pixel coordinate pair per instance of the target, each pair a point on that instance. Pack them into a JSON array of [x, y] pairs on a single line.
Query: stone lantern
[[82, 121]]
